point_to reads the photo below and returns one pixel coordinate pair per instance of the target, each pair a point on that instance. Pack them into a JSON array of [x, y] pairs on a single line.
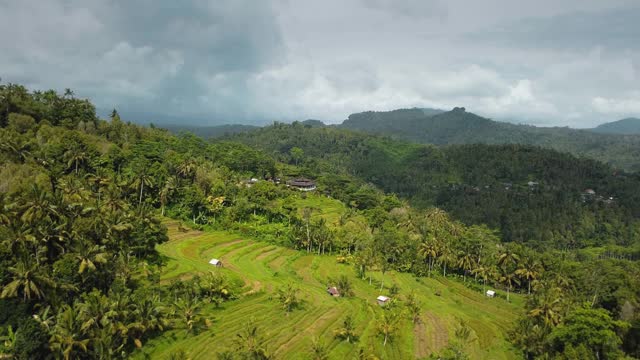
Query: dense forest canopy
[[462, 127], [83, 200]]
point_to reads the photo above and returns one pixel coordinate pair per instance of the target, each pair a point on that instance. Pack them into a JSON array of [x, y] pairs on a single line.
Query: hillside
[[479, 184], [461, 127], [208, 132], [629, 126], [263, 267]]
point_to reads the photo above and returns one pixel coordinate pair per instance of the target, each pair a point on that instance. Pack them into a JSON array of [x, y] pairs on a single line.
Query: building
[[491, 293], [382, 300], [215, 262], [333, 291], [302, 184]]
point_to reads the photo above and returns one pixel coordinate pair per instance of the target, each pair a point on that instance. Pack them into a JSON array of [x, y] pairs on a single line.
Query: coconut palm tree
[[347, 331], [387, 324], [89, 255], [466, 262], [67, 338], [508, 278], [529, 270], [27, 279], [76, 157], [428, 250], [548, 310], [141, 180], [167, 190], [288, 296], [251, 344], [485, 273]]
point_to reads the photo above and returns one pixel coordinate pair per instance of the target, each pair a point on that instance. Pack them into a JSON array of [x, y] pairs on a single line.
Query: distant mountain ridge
[[628, 126], [461, 127]]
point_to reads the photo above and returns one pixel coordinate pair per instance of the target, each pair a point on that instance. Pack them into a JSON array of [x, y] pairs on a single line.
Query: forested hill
[[625, 126], [529, 193], [461, 127]]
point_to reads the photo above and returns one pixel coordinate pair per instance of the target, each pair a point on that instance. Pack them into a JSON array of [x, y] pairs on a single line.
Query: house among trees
[[491, 293], [215, 262], [383, 300], [333, 291], [302, 184]]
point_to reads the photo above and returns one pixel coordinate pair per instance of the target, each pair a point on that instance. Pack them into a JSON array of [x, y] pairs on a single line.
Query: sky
[[546, 62]]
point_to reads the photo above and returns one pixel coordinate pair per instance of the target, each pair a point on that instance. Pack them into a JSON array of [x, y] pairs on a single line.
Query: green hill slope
[[262, 267], [461, 127], [629, 126]]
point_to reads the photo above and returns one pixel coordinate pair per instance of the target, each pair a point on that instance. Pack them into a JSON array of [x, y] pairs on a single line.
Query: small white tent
[[382, 300], [491, 293], [215, 262]]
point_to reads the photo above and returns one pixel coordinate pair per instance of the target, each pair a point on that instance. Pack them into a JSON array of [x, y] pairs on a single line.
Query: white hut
[[491, 293], [382, 300], [215, 262]]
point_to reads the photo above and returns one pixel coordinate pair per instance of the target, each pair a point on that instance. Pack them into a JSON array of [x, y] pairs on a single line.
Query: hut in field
[[491, 293], [383, 300], [302, 184], [215, 262], [333, 291]]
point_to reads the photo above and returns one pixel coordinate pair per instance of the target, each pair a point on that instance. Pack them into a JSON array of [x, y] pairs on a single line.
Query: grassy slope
[[263, 267]]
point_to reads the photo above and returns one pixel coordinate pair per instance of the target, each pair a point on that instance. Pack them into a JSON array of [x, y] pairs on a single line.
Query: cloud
[[219, 61], [623, 106]]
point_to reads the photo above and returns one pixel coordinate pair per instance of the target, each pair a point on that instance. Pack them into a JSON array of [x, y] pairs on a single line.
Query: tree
[[288, 297], [592, 329], [414, 307], [318, 350], [529, 270], [68, 339], [141, 180], [508, 278], [388, 322], [428, 250], [29, 280], [296, 154], [347, 330], [250, 344]]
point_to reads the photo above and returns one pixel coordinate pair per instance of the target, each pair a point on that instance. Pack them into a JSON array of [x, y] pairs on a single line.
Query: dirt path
[[437, 334], [420, 342]]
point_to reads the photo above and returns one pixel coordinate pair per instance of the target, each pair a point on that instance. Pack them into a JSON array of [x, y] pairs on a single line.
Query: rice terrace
[[259, 268]]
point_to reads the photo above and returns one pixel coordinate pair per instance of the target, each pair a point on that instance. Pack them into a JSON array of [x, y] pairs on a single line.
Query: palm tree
[[466, 262], [38, 206], [150, 315], [29, 280], [508, 257], [485, 273], [89, 255], [548, 310], [508, 278], [388, 323], [68, 338], [318, 350], [446, 258], [529, 270], [187, 311], [288, 296], [251, 344], [428, 250], [75, 157], [166, 191], [187, 169], [140, 181], [347, 331]]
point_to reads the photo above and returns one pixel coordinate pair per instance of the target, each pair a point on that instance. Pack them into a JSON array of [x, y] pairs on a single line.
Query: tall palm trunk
[[141, 188]]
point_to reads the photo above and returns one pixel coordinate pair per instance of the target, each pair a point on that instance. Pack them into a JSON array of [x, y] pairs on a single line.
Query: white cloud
[[621, 106]]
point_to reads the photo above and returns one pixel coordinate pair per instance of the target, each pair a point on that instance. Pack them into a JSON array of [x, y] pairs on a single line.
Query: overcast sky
[[545, 62]]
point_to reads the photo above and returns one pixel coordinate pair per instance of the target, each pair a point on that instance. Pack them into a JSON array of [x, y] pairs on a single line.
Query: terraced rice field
[[262, 267]]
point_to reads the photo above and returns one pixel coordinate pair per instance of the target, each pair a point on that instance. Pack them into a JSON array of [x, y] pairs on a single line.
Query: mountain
[[461, 127], [628, 126]]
